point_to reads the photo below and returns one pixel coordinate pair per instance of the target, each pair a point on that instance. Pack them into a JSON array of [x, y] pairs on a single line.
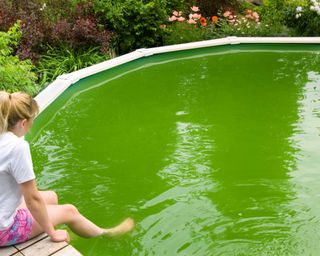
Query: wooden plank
[[67, 251], [6, 251], [40, 246], [30, 242], [44, 247]]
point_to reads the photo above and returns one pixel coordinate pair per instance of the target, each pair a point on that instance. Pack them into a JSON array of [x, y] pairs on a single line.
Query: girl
[[26, 212]]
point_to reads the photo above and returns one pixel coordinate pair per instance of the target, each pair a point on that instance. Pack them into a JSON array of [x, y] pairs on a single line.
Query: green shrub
[[136, 23], [273, 14], [182, 32], [63, 59], [304, 17], [15, 75]]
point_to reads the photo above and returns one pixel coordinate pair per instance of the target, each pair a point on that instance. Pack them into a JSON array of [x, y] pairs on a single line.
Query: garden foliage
[[304, 17], [136, 23], [53, 23], [193, 25], [273, 14], [62, 60], [53, 30], [15, 75], [61, 36]]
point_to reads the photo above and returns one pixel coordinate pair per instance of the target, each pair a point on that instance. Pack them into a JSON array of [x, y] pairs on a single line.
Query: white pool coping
[[57, 87]]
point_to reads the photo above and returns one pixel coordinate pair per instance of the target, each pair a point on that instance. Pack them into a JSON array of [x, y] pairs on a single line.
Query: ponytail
[[4, 110], [15, 107]]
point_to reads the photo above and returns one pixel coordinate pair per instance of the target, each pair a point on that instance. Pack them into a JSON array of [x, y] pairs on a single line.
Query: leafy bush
[[304, 17], [81, 29], [34, 28], [182, 32], [15, 75], [136, 22], [61, 60], [43, 24], [80, 33], [273, 14], [6, 18]]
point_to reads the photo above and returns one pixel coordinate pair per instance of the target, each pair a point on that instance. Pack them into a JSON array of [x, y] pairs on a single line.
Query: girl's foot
[[124, 227]]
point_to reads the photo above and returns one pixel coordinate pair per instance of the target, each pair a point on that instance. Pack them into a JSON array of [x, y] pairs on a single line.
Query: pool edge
[[57, 87]]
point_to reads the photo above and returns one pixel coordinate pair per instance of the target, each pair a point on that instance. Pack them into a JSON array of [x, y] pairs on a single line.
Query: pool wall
[[56, 88]]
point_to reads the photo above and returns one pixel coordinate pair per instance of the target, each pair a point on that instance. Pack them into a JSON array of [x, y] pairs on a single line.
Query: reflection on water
[[57, 153], [229, 189], [58, 161], [181, 227], [306, 177]]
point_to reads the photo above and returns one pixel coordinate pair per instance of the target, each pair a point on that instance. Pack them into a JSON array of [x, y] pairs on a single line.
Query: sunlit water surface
[[212, 152]]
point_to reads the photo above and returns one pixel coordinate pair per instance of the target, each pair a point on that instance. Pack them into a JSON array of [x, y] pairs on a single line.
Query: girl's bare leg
[[69, 215], [49, 197]]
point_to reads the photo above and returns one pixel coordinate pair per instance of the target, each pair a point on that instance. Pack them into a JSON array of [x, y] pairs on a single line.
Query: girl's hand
[[60, 236]]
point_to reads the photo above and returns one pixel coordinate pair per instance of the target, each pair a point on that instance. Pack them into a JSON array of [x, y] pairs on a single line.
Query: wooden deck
[[40, 246]]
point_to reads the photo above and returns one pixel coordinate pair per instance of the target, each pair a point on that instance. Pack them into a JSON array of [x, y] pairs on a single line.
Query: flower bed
[[84, 32]]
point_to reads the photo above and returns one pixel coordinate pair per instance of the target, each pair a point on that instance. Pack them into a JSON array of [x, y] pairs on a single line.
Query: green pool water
[[212, 151]]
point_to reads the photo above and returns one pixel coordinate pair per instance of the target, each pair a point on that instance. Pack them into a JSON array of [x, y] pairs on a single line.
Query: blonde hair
[[14, 107]]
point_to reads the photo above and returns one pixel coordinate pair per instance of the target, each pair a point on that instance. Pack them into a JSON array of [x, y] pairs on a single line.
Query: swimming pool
[[213, 151]]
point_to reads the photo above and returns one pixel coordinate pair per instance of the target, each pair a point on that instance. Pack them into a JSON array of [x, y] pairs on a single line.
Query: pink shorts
[[19, 231]]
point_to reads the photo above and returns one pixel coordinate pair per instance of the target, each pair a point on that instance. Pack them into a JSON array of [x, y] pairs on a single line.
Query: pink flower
[[255, 15], [196, 16], [227, 14], [181, 19], [172, 18], [195, 8], [175, 13], [192, 21]]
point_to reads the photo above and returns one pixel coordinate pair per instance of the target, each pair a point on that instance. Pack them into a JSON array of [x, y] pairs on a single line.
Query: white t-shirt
[[15, 168]]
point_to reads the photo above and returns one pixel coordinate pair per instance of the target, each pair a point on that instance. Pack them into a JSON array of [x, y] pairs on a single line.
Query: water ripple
[[185, 209]]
